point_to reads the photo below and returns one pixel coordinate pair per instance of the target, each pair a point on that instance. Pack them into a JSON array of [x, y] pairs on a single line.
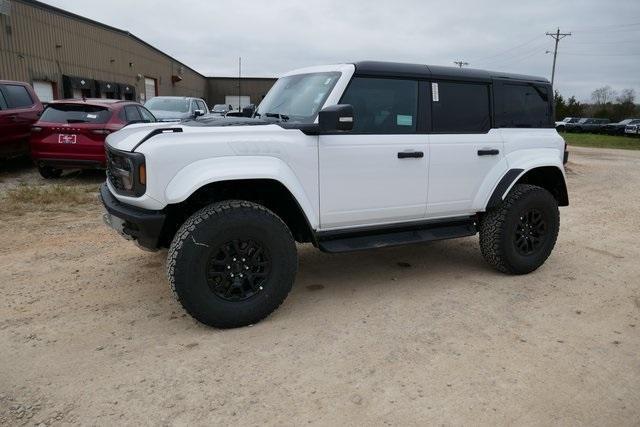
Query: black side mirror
[[336, 118], [198, 113]]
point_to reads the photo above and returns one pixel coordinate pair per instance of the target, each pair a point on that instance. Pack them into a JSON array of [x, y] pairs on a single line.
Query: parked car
[[71, 133], [586, 125], [220, 109], [619, 128], [338, 156], [632, 129], [176, 108], [560, 126], [19, 109]]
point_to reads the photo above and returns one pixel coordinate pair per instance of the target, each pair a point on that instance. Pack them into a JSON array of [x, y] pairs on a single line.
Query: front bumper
[[133, 223]]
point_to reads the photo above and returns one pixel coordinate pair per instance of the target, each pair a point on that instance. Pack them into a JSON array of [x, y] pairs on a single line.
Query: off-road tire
[[497, 228], [213, 227], [47, 172]]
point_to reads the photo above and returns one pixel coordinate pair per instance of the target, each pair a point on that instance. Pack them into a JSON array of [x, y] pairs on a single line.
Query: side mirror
[[198, 113], [336, 118]]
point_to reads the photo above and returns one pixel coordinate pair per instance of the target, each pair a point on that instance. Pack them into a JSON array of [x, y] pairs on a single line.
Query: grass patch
[[45, 197], [601, 141]]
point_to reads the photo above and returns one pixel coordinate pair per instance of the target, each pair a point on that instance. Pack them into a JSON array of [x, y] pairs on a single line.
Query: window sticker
[[92, 116], [404, 120], [435, 94]]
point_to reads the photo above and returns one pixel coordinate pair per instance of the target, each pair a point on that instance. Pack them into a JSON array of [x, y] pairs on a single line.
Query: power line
[[482, 59], [557, 36], [515, 57]]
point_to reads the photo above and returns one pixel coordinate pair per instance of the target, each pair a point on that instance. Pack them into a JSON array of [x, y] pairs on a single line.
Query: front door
[[376, 173]]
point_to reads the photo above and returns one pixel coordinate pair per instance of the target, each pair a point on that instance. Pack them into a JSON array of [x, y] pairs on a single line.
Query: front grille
[[115, 160]]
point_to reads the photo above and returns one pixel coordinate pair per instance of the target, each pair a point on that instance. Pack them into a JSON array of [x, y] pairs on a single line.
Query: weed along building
[[64, 55]]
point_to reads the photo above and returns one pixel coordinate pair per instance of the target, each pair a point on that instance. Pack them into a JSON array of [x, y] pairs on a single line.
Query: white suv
[[346, 157]]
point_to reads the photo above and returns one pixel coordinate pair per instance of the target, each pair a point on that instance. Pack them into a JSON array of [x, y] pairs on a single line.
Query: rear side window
[[131, 114], [524, 106], [460, 107], [383, 105], [75, 113], [17, 96], [3, 102]]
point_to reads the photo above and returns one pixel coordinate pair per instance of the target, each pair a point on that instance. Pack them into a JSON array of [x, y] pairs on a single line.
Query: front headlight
[[126, 172]]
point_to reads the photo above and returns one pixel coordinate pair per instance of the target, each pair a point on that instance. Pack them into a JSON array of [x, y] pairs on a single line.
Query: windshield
[[625, 121], [298, 98], [75, 113], [168, 104], [220, 107]]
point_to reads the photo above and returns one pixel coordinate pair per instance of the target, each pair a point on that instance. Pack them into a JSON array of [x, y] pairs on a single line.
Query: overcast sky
[[277, 35]]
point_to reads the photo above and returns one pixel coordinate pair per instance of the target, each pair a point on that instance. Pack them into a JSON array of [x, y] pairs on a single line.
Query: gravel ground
[[90, 334]]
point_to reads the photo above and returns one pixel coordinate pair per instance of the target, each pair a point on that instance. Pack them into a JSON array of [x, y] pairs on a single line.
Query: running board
[[350, 240]]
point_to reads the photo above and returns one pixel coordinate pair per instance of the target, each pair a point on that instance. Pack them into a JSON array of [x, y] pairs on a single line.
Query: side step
[[356, 240]]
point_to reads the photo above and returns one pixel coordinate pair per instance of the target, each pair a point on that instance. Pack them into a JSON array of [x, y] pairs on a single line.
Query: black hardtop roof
[[399, 69]]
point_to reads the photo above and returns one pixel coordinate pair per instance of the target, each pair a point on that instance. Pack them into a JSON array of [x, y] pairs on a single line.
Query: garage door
[[233, 101], [150, 88], [44, 90]]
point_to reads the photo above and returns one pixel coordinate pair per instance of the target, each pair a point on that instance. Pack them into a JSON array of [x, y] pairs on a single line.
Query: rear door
[[376, 173], [464, 148]]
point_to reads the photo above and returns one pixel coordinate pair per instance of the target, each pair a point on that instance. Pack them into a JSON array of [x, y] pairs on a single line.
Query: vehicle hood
[[170, 115], [130, 137]]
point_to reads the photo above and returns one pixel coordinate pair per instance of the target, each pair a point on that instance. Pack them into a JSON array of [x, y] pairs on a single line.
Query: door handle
[[410, 155], [488, 152]]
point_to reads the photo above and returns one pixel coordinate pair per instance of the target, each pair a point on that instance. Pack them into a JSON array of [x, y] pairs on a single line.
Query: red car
[[70, 133], [19, 109]]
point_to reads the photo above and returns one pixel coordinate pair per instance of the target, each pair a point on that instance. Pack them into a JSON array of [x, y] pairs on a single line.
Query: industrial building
[[64, 55]]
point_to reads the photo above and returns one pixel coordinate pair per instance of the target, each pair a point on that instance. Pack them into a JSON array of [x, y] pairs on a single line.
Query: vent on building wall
[[5, 7]]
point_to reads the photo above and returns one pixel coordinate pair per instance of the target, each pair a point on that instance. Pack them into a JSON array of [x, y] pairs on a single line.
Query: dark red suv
[[19, 109], [70, 133]]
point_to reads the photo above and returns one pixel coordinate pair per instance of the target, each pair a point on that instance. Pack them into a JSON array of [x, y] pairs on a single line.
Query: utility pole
[[557, 36], [460, 63], [239, 82]]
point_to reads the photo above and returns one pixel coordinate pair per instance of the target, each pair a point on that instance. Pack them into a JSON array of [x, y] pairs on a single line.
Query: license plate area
[[67, 138]]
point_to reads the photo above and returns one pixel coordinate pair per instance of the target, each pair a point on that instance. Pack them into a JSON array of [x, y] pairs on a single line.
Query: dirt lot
[[90, 334]]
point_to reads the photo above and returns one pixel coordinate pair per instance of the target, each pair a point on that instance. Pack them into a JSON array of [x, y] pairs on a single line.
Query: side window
[[3, 102], [131, 113], [194, 106], [201, 106], [17, 96], [460, 107], [383, 105], [146, 115], [524, 106]]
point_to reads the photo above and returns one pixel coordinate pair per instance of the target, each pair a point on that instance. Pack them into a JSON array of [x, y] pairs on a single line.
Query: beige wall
[[40, 44], [254, 87]]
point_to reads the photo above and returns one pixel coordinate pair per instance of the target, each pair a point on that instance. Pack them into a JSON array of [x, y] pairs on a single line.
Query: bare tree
[[603, 95], [627, 96]]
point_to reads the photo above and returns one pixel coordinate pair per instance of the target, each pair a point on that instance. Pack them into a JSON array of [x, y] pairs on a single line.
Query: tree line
[[605, 103]]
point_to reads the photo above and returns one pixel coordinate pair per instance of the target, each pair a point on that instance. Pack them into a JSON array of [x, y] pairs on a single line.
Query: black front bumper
[[133, 223]]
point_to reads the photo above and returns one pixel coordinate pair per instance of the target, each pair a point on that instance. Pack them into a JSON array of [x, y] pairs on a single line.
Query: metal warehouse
[[64, 55]]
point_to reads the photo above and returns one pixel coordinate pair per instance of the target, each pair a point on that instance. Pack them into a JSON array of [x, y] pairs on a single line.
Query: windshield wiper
[[281, 117]]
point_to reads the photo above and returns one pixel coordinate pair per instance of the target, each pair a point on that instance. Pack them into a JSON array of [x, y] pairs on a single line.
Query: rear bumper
[[70, 163], [142, 225]]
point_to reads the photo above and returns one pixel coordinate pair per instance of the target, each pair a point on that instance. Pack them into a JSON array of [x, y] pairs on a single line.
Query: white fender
[[203, 172], [520, 159]]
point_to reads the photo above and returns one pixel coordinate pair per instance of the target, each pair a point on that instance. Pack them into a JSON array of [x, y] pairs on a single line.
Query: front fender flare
[[198, 174]]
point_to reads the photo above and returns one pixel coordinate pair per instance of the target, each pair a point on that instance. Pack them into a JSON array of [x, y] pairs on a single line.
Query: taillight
[[36, 129], [101, 131]]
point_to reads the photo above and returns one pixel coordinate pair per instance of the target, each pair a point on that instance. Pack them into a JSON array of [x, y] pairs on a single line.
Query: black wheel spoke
[[238, 269], [530, 232]]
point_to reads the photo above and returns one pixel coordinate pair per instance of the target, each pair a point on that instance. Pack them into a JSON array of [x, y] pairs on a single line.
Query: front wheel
[[518, 236], [232, 264]]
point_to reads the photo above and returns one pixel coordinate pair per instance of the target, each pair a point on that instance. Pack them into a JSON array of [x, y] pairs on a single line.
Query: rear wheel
[[232, 263], [47, 172], [519, 235]]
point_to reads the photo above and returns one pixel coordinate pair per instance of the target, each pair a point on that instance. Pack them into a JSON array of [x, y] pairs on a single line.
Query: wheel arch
[[549, 177]]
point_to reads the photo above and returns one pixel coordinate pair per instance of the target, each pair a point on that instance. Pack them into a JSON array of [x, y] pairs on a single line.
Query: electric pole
[[239, 83], [460, 63], [557, 36]]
